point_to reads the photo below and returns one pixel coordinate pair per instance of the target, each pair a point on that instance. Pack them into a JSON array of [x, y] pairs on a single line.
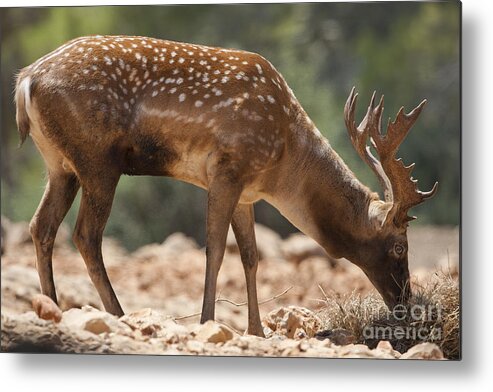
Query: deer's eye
[[399, 249]]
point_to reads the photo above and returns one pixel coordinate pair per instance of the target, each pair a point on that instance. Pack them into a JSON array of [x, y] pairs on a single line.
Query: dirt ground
[[169, 277]]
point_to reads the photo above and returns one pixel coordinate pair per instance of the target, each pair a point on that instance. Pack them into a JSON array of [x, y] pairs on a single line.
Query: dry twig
[[219, 299]]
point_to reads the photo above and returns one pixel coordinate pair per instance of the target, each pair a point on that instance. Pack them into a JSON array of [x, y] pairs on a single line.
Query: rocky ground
[[160, 287]]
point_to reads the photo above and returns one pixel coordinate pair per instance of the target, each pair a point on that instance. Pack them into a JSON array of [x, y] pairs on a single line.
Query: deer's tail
[[22, 103]]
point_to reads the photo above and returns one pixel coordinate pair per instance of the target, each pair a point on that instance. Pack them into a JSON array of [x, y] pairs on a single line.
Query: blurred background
[[408, 51]]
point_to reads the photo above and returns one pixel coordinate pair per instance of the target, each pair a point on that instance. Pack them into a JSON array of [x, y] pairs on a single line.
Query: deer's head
[[384, 258]]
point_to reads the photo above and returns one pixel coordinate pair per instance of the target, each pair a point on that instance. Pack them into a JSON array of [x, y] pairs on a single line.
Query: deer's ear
[[378, 213]]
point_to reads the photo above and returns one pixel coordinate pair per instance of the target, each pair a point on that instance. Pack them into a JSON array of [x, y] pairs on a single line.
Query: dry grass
[[432, 316]]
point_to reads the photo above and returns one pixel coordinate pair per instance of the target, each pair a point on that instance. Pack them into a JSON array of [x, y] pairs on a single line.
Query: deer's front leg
[[223, 196], [243, 227]]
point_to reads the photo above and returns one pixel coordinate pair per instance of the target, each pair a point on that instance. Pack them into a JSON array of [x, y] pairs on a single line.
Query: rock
[[298, 247], [290, 348], [268, 242], [174, 246], [212, 332], [386, 347], [338, 336], [18, 234], [46, 309], [154, 324], [28, 333], [293, 322], [423, 351], [172, 332], [178, 243], [195, 346], [76, 291], [93, 320], [20, 284], [355, 351], [128, 345]]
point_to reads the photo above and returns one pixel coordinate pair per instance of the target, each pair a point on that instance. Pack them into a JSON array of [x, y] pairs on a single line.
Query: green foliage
[[410, 51]]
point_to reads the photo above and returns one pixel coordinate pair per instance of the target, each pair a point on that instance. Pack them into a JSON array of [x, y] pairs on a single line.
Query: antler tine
[[359, 136], [349, 110], [375, 132], [404, 187], [430, 193], [395, 177], [397, 131]]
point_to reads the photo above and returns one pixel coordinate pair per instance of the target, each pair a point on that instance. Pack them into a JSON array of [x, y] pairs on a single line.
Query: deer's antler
[[399, 187]]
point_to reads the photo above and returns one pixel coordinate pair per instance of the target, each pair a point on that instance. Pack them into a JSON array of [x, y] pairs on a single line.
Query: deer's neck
[[320, 195]]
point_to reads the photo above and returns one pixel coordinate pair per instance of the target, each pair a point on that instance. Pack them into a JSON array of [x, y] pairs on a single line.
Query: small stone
[[94, 321], [386, 347], [355, 351], [213, 332], [46, 309], [424, 351], [339, 336], [293, 322], [97, 326], [195, 346], [149, 322]]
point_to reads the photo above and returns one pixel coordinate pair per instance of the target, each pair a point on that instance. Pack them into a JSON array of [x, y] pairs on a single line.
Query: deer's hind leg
[[98, 190], [60, 192], [59, 195]]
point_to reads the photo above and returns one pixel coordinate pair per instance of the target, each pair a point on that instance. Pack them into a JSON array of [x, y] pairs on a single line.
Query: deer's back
[[159, 107]]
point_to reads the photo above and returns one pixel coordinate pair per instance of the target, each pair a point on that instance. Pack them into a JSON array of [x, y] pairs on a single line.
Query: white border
[[86, 373]]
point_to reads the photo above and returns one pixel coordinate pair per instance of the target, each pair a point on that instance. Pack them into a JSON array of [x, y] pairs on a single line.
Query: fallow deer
[[224, 120]]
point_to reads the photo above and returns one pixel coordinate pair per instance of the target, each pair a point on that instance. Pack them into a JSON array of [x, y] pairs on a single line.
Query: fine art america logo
[[416, 322]]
